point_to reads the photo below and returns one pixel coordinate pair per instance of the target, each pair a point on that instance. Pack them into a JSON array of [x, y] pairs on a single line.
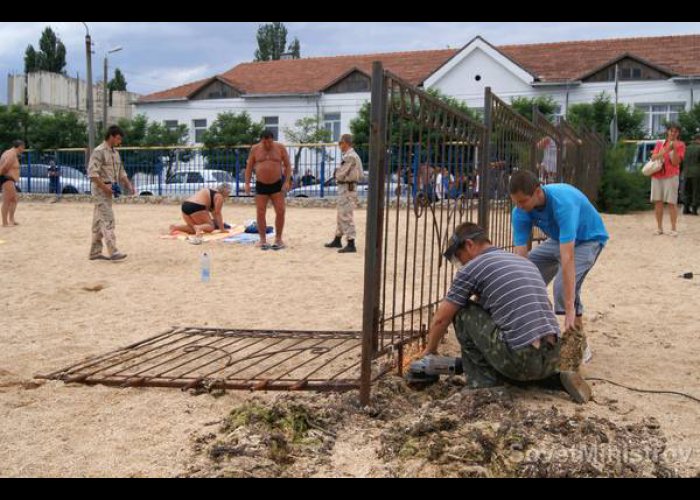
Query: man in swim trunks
[[197, 211], [9, 175], [267, 158]]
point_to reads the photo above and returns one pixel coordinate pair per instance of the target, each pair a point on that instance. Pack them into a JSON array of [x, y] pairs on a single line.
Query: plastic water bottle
[[205, 266]]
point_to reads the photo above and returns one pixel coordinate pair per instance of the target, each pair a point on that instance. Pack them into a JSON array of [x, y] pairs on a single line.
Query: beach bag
[[652, 166]]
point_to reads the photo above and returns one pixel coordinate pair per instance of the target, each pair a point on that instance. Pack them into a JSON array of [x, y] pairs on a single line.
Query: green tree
[[295, 48], [30, 64], [622, 191], [118, 82], [50, 57], [690, 123], [523, 105], [14, 124], [360, 129], [598, 115], [138, 132], [306, 130], [272, 39], [59, 129], [228, 131]]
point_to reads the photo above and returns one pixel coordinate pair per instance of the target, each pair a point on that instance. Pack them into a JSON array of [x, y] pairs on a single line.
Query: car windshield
[[222, 176]]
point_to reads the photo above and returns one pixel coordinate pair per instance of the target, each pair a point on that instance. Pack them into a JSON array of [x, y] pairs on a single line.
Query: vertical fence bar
[[373, 248], [484, 185]]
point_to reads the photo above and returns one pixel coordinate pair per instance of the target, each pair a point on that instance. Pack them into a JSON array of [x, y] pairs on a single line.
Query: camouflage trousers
[[102, 224], [346, 204], [488, 361]]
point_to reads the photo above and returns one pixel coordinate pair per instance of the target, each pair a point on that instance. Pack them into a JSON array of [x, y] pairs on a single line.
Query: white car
[[330, 189], [188, 182], [35, 179]]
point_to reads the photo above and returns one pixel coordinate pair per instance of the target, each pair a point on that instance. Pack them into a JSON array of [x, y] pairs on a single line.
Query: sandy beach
[[642, 322]]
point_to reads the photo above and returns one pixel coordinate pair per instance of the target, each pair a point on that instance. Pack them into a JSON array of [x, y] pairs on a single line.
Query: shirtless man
[[202, 212], [267, 158], [9, 175]]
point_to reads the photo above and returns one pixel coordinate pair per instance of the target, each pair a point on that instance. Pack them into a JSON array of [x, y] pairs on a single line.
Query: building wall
[[287, 109], [47, 91]]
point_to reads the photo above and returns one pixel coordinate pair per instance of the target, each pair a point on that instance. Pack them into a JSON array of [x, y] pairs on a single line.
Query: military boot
[[695, 210], [336, 243], [686, 209], [349, 248]]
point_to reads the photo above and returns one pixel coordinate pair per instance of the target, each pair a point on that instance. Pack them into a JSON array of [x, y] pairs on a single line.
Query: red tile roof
[[572, 60], [548, 61]]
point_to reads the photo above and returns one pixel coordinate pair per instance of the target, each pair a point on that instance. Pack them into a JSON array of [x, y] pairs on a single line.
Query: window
[[200, 126], [177, 178], [170, 124], [657, 115], [331, 122], [194, 178], [272, 123]]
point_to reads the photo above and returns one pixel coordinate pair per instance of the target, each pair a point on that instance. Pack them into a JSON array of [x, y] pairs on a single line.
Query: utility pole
[[104, 93], [90, 105]]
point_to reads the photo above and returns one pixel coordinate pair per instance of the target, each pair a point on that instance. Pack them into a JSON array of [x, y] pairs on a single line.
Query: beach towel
[[216, 235], [244, 238]]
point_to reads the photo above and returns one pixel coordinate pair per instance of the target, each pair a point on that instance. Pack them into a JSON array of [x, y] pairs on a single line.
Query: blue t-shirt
[[566, 216]]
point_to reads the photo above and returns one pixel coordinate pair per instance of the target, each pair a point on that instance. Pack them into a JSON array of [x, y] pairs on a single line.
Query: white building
[[656, 74]]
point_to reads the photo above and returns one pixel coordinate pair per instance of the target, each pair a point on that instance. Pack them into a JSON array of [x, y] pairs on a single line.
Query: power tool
[[427, 370]]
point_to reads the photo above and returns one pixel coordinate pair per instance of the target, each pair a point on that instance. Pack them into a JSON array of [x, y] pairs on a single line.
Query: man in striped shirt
[[510, 331]]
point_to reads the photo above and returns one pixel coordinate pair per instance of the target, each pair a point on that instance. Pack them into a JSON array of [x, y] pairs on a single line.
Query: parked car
[[188, 182], [35, 179], [330, 189]]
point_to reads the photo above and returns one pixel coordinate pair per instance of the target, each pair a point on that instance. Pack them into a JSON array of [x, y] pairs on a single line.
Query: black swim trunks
[[4, 178], [189, 207], [268, 189]]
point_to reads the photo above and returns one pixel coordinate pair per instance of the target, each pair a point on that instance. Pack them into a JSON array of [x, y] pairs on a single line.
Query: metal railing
[[180, 171]]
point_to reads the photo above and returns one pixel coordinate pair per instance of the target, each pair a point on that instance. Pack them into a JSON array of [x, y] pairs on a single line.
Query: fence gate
[[414, 138]]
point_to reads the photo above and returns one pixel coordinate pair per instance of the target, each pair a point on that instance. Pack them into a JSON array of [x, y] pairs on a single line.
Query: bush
[[622, 191]]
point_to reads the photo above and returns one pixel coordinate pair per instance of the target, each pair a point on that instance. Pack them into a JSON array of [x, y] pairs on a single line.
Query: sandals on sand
[[278, 246]]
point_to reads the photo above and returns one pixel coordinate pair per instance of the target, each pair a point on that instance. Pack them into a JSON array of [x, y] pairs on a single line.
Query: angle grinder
[[427, 370]]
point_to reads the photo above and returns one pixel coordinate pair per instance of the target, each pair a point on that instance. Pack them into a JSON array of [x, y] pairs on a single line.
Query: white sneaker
[[587, 354]]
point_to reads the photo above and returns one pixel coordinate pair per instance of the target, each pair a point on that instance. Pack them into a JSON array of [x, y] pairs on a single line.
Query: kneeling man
[[510, 332]]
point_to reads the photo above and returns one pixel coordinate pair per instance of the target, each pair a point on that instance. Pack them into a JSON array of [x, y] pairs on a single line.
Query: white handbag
[[652, 166]]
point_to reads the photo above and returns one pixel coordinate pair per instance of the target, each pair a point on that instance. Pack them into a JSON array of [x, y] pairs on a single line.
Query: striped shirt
[[511, 290]]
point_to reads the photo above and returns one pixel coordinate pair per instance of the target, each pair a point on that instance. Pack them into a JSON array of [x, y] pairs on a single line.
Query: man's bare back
[[9, 164]]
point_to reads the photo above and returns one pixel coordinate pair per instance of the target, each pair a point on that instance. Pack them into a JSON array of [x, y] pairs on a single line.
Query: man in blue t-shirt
[[575, 237]]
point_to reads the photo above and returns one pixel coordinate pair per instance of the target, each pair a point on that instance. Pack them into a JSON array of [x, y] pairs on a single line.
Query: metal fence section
[[513, 145], [432, 168], [180, 171], [217, 358], [423, 167]]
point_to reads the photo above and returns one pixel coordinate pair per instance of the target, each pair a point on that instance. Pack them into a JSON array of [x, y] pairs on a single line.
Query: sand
[[59, 308]]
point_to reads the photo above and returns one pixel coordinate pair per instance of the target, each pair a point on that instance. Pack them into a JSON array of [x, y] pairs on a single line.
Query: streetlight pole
[[90, 104], [104, 93]]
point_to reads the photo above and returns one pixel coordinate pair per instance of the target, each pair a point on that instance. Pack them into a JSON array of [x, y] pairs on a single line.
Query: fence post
[[29, 172], [373, 246], [323, 170], [238, 167], [484, 203]]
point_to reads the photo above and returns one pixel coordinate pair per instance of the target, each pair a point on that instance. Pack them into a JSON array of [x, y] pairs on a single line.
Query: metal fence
[[181, 171], [433, 167]]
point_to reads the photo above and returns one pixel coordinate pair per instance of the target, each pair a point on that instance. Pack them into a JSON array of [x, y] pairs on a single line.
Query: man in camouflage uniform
[[691, 167], [106, 170], [503, 319], [347, 177]]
